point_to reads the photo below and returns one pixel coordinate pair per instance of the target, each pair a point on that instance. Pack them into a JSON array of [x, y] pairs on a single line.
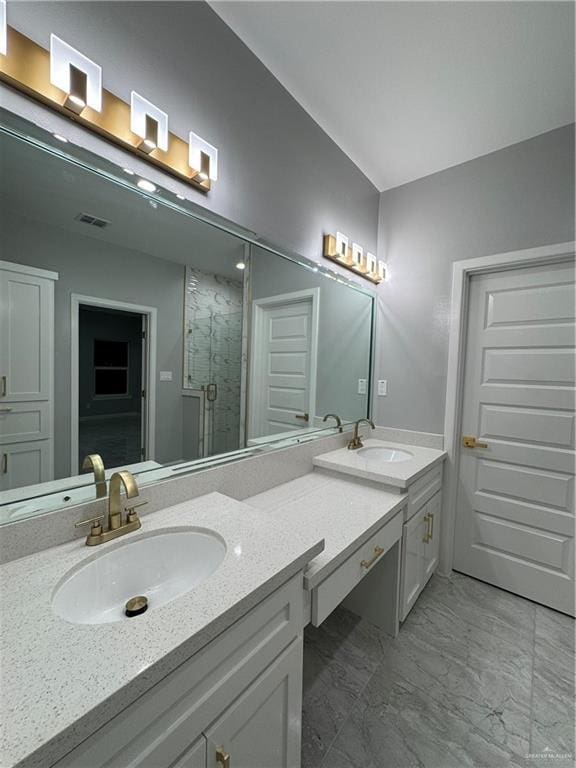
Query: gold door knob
[[222, 757], [469, 441]]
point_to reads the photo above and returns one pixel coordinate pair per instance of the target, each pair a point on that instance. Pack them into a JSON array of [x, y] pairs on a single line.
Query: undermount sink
[[376, 453], [160, 566]]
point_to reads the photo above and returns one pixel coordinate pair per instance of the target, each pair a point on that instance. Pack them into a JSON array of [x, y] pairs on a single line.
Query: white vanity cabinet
[[420, 537], [237, 703], [26, 374]]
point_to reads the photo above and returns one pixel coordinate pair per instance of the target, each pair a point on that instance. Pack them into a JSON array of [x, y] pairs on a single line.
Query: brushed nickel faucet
[[356, 441], [115, 526], [94, 462], [334, 416]]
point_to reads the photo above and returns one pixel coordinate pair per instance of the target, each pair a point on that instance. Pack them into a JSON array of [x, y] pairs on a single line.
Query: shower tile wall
[[213, 352]]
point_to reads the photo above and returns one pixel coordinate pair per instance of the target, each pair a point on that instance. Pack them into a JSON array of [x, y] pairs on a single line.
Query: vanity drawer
[[423, 489], [21, 422], [160, 725], [330, 593]]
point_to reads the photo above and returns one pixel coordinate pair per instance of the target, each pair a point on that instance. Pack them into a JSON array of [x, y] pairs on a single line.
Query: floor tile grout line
[[532, 686], [348, 716]]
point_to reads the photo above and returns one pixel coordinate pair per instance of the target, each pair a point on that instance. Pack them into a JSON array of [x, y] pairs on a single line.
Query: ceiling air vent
[[94, 221]]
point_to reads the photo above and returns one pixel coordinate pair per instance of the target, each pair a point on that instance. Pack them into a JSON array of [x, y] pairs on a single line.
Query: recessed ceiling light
[[180, 197], [241, 265], [128, 171], [60, 138], [146, 185]]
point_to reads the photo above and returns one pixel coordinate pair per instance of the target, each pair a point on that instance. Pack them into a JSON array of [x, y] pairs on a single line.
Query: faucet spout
[[118, 480], [356, 441], [336, 417], [94, 462]]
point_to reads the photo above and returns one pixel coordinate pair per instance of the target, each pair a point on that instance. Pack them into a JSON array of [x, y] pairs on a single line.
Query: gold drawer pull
[[222, 757], [367, 563], [431, 516], [426, 538]]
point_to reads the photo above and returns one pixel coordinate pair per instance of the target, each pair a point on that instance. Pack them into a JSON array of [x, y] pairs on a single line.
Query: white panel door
[[282, 397], [515, 510], [262, 728], [26, 312]]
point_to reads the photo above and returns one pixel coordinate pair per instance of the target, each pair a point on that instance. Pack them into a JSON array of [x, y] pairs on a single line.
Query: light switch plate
[[382, 387], [362, 386], [165, 375]]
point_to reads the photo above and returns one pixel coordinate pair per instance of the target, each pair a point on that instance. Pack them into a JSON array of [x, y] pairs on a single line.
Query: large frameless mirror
[[136, 332]]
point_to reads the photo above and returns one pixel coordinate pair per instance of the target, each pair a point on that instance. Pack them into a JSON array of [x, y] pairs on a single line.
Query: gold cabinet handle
[[469, 441], [4, 389], [5, 464], [222, 757], [427, 534], [368, 563], [303, 416], [431, 517]]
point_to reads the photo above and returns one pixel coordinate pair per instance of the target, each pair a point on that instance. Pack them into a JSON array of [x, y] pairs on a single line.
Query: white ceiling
[[410, 88]]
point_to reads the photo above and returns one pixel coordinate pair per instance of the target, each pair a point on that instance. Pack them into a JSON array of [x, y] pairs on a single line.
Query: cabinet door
[[432, 546], [262, 728], [413, 560], [195, 757], [26, 337], [24, 464]]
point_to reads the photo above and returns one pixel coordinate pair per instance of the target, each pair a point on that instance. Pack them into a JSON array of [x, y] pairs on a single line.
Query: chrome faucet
[[94, 462], [115, 526], [356, 441], [334, 416]]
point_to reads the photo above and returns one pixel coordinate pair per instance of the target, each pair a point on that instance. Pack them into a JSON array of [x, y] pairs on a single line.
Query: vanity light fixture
[[146, 185], [78, 76], [3, 28], [202, 158], [336, 249], [149, 123], [382, 270]]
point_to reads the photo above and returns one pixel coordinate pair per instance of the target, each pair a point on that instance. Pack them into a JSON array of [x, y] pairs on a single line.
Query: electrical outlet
[[382, 387], [165, 375], [362, 386]]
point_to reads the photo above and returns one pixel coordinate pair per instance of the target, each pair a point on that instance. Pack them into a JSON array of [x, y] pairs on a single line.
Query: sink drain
[[136, 605]]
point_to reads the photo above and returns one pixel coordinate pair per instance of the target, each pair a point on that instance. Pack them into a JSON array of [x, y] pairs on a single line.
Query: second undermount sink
[[376, 453], [160, 566]]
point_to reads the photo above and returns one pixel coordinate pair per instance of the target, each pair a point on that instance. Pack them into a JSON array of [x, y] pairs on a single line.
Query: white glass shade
[[140, 109], [199, 146], [62, 56]]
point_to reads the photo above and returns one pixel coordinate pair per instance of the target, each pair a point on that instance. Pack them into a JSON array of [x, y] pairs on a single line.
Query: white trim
[[24, 269], [462, 271], [150, 385], [257, 316]]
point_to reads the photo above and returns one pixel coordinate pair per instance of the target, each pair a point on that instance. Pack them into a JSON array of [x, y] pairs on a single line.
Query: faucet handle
[[94, 521], [132, 515]]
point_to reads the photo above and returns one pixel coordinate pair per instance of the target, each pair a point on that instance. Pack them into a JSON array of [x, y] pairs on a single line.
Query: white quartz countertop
[[62, 681], [344, 512], [396, 473]]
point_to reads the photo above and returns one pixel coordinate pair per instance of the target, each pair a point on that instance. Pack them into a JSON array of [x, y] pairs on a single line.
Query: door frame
[[149, 377], [258, 307], [462, 271]]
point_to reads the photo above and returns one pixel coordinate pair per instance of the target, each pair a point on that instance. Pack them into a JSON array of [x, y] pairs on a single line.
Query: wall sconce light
[[76, 75], [202, 158], [371, 267], [149, 123], [357, 255], [341, 246], [3, 28]]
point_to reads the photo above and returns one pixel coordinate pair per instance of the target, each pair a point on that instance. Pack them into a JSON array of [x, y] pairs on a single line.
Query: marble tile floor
[[478, 678]]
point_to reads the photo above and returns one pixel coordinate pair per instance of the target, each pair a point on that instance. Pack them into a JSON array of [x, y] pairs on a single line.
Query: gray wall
[[94, 268], [519, 197], [344, 331], [281, 175]]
